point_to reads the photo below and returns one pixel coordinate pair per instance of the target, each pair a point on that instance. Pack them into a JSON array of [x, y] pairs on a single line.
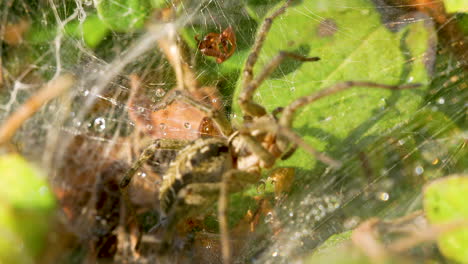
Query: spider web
[[88, 133]]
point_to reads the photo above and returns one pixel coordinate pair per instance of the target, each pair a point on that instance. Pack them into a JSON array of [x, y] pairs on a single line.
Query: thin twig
[[223, 222], [48, 92]]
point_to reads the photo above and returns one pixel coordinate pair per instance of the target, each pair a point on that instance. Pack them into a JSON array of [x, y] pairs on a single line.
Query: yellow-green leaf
[[445, 201]]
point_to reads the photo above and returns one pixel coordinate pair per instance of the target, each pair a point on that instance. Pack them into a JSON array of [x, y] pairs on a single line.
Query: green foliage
[[93, 30], [445, 202], [23, 185], [370, 51], [123, 15], [335, 240], [337, 249], [463, 22], [25, 206], [453, 6], [11, 250]]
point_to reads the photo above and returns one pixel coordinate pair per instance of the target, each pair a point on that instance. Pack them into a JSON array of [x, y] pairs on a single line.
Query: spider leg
[[288, 153], [245, 98], [174, 55], [287, 115], [232, 181], [265, 28], [217, 116], [287, 132], [191, 199], [147, 153], [254, 146], [199, 196], [296, 139]]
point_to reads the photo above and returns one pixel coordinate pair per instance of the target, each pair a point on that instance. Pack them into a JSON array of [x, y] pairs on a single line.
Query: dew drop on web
[[160, 92], [99, 124], [268, 217]]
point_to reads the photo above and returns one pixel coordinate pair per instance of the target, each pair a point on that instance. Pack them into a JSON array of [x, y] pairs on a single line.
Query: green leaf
[[38, 34], [123, 15], [445, 202], [11, 245], [159, 3], [24, 185], [366, 51], [93, 30], [453, 6], [26, 204], [337, 249], [335, 241], [463, 22]]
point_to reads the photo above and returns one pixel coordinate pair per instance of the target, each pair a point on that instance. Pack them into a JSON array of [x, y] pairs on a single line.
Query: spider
[[221, 46], [208, 169]]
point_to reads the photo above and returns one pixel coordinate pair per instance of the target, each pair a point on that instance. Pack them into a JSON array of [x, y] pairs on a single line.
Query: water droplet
[[187, 125], [419, 170], [149, 127], [268, 217], [351, 222], [141, 109], [383, 196], [162, 126], [160, 92], [142, 175], [214, 101], [441, 100], [85, 92], [77, 122], [99, 124], [43, 190], [383, 104], [292, 89]]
